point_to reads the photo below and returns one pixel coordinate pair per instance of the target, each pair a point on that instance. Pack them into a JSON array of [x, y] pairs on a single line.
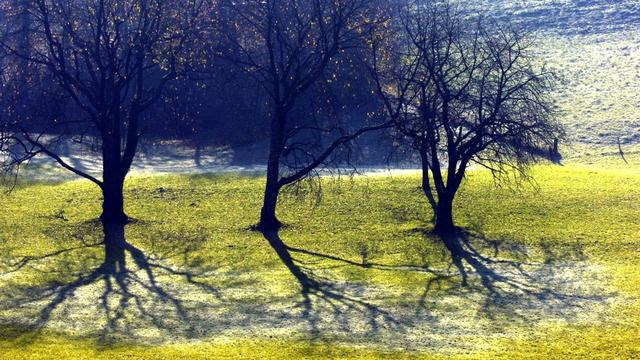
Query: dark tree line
[[307, 78]]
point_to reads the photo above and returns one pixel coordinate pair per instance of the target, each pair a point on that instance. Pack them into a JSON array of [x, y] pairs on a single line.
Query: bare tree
[[287, 47], [464, 90], [111, 59]]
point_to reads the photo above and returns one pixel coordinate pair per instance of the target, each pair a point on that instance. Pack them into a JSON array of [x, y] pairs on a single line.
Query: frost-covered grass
[[600, 98], [551, 270], [593, 45]]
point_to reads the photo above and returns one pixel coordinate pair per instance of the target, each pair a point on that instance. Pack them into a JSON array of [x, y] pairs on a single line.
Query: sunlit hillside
[[594, 45]]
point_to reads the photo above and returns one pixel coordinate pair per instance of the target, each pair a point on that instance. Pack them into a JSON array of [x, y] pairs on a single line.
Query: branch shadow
[[131, 290], [344, 303], [496, 280], [111, 289], [513, 285]]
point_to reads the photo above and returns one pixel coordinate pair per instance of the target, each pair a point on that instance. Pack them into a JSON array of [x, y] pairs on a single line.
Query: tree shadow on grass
[[319, 293], [479, 279], [114, 290], [130, 291], [513, 283]]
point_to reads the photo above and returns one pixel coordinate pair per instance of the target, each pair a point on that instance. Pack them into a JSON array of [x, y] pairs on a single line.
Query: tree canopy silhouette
[[464, 90]]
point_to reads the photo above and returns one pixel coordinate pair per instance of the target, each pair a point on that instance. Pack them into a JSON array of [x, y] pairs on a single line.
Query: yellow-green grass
[[571, 240]]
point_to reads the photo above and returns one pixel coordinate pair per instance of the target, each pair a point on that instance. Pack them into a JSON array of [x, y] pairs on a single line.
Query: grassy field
[[551, 269]]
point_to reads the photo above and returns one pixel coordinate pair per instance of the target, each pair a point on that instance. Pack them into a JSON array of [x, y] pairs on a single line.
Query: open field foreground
[[548, 269]]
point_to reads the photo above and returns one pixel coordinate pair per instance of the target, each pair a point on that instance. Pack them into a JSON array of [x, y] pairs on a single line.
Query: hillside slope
[[595, 45]]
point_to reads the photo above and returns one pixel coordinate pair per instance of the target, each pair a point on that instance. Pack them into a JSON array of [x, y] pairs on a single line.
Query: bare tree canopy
[[110, 61], [459, 89], [288, 47], [464, 90]]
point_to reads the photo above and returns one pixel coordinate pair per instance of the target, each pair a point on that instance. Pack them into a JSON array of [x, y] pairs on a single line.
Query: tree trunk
[[113, 202], [112, 172], [426, 184], [198, 154], [268, 218], [112, 189], [444, 215]]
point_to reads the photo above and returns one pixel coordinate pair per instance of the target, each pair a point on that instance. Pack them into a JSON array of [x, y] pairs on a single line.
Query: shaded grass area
[[550, 268]]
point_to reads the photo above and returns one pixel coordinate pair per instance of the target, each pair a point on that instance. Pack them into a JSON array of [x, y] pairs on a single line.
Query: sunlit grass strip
[[591, 209]]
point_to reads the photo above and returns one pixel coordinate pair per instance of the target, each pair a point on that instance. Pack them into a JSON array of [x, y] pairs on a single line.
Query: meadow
[[546, 268], [549, 268]]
